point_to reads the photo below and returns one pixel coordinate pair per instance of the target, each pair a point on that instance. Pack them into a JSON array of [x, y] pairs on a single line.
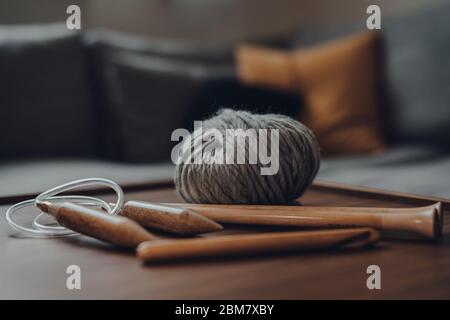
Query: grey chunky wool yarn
[[221, 183]]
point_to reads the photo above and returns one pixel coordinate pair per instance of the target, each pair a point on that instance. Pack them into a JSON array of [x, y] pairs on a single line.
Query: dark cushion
[[148, 97], [416, 83], [104, 44], [45, 100]]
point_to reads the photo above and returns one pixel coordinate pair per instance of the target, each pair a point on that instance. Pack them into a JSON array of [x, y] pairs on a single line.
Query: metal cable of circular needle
[[41, 230]]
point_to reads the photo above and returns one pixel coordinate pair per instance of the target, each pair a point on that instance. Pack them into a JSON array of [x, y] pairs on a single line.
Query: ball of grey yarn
[[299, 161]]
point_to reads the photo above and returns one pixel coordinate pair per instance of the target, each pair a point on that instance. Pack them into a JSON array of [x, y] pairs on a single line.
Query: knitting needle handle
[[426, 221], [295, 208], [151, 251]]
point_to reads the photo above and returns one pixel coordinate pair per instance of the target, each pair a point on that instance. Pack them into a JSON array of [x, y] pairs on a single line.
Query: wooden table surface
[[36, 268]]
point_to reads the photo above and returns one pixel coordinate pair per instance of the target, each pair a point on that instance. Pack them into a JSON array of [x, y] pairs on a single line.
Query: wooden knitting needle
[[113, 229], [167, 218], [426, 221], [151, 251]]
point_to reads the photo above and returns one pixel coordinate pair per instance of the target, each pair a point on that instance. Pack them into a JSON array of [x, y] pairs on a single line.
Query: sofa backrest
[[63, 93]]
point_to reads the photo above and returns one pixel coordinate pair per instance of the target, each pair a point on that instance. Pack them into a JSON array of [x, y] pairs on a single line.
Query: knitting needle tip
[[43, 206]]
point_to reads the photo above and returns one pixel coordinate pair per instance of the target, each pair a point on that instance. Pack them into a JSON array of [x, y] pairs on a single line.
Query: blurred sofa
[[104, 104]]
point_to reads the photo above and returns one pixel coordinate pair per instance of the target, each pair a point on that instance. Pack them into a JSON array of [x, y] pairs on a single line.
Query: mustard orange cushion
[[338, 82]]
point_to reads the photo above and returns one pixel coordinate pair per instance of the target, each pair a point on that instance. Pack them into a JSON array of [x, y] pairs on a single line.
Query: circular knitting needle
[[113, 229]]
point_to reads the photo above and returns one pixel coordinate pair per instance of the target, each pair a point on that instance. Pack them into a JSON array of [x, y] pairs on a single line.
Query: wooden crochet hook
[[113, 229], [160, 250], [426, 221], [167, 218]]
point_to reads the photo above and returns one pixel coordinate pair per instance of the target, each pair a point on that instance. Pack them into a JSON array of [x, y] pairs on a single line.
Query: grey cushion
[[166, 80], [45, 99], [27, 177], [412, 169]]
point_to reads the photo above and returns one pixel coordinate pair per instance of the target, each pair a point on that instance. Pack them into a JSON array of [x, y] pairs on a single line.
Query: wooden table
[[36, 268]]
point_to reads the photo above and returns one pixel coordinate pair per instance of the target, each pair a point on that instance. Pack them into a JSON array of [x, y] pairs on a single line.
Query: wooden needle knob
[[113, 229]]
